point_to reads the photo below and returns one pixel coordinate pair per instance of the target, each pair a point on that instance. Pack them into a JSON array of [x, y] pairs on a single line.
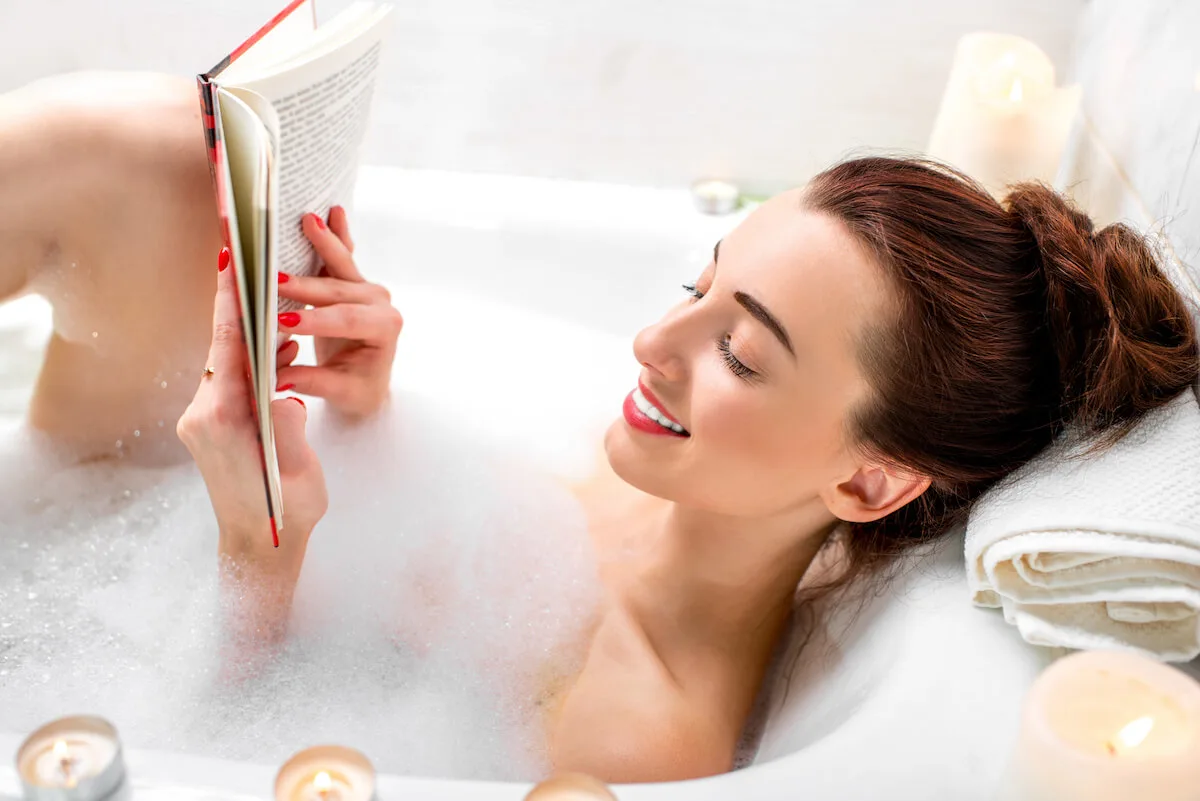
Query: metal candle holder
[[326, 773], [75, 758]]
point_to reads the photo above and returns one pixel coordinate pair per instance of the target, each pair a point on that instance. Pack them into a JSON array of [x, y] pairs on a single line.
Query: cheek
[[749, 433]]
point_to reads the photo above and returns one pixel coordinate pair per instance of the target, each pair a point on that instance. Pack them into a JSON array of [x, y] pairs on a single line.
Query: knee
[[93, 164], [84, 123]]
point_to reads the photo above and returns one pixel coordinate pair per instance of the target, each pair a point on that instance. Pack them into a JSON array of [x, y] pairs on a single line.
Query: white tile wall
[[640, 91], [1137, 155]]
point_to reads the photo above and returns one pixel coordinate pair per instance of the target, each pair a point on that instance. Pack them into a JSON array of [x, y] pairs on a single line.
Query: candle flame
[[322, 783], [1134, 733], [1016, 92], [60, 751]]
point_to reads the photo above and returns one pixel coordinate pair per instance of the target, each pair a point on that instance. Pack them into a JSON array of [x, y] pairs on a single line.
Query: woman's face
[[758, 367]]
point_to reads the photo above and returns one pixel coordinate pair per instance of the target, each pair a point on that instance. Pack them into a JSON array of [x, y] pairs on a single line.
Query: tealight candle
[[326, 773], [716, 197], [571, 787], [71, 759], [1108, 726]]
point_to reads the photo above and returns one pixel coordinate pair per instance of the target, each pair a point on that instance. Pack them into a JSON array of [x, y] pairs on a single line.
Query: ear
[[874, 491]]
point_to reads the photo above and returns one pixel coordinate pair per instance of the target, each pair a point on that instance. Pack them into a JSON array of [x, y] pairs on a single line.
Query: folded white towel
[[1101, 550]]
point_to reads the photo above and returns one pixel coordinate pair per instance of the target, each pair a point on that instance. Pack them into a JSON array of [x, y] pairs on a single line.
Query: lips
[[644, 412]]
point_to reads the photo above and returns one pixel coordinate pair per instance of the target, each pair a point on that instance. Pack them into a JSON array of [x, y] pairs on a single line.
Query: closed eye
[[733, 363]]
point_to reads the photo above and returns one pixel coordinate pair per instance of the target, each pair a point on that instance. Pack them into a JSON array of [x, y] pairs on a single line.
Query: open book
[[284, 116]]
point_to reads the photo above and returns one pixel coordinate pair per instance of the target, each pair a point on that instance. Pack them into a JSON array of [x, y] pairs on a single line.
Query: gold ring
[[208, 373]]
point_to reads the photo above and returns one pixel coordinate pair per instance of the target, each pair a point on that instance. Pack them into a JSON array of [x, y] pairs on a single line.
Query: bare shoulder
[[631, 718]]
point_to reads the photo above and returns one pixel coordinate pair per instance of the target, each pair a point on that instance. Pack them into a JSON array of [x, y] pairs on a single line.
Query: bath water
[[445, 598]]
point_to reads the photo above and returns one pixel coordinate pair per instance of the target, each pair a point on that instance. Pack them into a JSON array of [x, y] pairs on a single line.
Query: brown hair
[[1012, 321]]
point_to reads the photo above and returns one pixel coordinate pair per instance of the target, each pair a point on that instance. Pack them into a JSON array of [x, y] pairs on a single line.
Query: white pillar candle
[[1107, 726], [1002, 118], [71, 759], [326, 773]]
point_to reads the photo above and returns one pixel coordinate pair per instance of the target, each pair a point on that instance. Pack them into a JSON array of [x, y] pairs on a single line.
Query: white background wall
[[665, 91], [639, 91], [1139, 63]]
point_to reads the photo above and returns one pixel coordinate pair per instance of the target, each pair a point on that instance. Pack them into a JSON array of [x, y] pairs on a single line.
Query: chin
[[636, 465]]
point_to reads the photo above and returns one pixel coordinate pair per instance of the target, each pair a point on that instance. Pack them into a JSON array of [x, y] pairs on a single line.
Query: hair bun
[[1122, 337]]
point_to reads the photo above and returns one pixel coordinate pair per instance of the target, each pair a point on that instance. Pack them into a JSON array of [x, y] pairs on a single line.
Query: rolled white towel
[[1099, 550]]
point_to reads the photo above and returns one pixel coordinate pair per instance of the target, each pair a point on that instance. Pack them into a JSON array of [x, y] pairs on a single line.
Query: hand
[[220, 430], [354, 324]]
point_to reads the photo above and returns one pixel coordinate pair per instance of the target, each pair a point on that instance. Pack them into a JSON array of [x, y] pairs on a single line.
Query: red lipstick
[[639, 420]]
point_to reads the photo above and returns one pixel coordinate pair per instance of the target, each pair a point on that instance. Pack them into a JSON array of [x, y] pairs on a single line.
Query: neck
[[720, 570]]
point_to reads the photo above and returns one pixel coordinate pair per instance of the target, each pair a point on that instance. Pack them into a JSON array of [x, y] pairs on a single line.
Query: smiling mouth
[[644, 414]]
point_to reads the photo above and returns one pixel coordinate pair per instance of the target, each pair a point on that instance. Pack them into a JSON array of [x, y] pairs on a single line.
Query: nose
[[661, 347]]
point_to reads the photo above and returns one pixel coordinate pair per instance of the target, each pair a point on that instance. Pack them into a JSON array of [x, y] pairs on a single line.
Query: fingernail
[[289, 319], [223, 259], [320, 223], [297, 400], [283, 278], [285, 387]]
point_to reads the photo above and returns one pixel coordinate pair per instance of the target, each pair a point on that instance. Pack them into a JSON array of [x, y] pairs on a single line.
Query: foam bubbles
[[444, 599]]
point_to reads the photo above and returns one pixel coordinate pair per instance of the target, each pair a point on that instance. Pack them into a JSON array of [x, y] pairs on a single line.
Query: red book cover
[[210, 111]]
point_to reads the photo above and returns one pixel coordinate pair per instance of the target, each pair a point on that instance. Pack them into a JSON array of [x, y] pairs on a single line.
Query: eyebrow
[[759, 311]]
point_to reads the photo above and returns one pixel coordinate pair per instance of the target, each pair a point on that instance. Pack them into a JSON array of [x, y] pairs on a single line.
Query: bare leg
[[106, 209]]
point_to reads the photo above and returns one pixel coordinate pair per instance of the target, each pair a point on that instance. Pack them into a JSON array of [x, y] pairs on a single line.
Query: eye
[[691, 290], [735, 366]]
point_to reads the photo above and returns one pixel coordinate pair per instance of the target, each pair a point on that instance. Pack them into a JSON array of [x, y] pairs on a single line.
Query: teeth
[[650, 410]]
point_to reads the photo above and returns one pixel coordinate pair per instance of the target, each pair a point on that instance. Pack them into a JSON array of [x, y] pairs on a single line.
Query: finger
[[289, 416], [339, 223], [287, 353], [372, 324], [321, 382], [312, 290], [227, 355], [338, 261]]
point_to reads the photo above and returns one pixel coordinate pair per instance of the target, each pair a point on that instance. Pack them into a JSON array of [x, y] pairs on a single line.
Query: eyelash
[[735, 366]]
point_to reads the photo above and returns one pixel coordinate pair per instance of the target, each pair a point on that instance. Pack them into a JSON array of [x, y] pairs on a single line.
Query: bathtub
[[519, 287]]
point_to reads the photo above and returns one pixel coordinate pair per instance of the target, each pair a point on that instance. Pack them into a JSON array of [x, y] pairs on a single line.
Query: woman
[[875, 349]]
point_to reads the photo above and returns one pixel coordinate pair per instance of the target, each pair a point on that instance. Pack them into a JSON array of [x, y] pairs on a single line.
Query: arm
[[218, 427], [629, 719]]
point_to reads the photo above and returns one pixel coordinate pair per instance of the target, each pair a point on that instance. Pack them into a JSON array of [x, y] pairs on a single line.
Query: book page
[[289, 36], [248, 149], [247, 181], [322, 106]]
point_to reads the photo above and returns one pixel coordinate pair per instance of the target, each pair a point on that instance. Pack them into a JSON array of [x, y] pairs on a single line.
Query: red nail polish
[[320, 223], [289, 319], [223, 259], [285, 387], [297, 400], [284, 278]]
